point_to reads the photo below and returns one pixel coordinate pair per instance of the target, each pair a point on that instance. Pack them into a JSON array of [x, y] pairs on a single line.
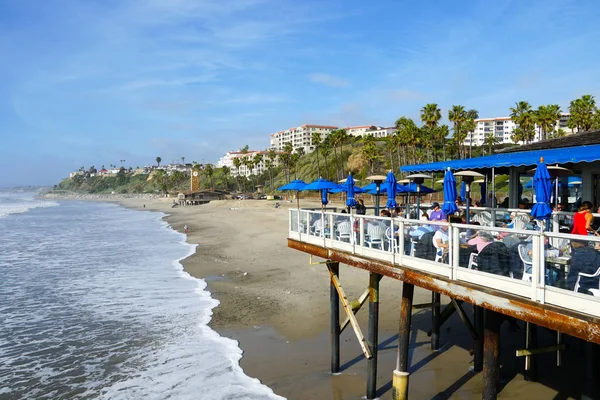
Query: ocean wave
[[19, 208]]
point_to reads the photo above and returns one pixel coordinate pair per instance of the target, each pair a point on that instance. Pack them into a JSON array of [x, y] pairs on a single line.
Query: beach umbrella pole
[[418, 201]]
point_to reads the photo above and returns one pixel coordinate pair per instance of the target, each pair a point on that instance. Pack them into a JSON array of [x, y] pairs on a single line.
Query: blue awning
[[523, 158]]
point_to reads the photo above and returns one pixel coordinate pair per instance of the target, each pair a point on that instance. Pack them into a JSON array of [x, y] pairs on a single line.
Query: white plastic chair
[[473, 261], [595, 292], [484, 218], [392, 244], [318, 227], [344, 231], [439, 255], [522, 253], [376, 236]]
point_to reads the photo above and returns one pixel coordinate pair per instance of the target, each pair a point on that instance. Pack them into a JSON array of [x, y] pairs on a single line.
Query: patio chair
[[595, 292], [344, 231], [439, 255], [473, 261], [527, 265], [376, 235], [317, 227], [393, 245]]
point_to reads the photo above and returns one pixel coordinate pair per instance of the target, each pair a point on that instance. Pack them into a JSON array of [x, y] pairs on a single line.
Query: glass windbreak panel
[[297, 226], [318, 224], [490, 251], [343, 228], [428, 242], [572, 264], [376, 233]]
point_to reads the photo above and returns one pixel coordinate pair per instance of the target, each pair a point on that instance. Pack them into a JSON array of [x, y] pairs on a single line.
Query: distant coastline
[[66, 195]]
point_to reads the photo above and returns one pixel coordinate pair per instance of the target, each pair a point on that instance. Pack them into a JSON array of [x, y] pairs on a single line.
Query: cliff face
[[120, 184]]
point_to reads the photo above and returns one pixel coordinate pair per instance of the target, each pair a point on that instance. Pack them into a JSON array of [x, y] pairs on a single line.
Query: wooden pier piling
[[334, 309], [491, 350], [401, 374], [435, 321], [373, 334], [478, 341]]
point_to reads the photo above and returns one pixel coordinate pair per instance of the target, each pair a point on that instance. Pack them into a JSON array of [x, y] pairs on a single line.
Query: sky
[[93, 82]]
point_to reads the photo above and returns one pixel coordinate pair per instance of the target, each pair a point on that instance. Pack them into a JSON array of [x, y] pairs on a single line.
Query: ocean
[[95, 304]]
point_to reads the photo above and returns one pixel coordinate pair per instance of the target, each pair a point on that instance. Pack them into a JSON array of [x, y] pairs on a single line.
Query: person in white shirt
[[440, 239]]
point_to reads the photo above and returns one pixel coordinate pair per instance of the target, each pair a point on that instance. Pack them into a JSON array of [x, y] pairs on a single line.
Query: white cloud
[[329, 80]]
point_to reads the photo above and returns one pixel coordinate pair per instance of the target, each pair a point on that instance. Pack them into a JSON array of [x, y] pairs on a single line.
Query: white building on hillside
[[360, 130], [227, 159], [257, 169], [502, 128], [300, 137], [382, 132]]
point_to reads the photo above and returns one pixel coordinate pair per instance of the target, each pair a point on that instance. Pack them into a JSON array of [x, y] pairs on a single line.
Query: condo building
[[300, 137]]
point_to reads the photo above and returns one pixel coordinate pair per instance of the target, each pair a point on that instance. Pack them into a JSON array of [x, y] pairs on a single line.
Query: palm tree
[[408, 132], [237, 163], [583, 113], [183, 160], [226, 172], [326, 152], [490, 141], [390, 146], [286, 158], [209, 171], [335, 139], [343, 139], [316, 141], [458, 115], [258, 157], [430, 116], [546, 118], [158, 160], [270, 163], [522, 115], [369, 151]]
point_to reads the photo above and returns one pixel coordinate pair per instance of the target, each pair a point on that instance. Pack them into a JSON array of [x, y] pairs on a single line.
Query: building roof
[[317, 126], [576, 139], [361, 127]]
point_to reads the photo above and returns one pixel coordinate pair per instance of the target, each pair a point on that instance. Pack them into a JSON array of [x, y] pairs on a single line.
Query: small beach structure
[[193, 198]]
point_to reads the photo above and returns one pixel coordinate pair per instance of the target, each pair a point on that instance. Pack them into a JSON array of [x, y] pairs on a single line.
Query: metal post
[[478, 343], [377, 189], [418, 201], [334, 309], [531, 342], [468, 193], [435, 321], [373, 335], [400, 378], [491, 361]]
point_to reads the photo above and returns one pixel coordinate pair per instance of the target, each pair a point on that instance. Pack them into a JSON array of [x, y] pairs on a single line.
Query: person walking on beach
[[185, 228]]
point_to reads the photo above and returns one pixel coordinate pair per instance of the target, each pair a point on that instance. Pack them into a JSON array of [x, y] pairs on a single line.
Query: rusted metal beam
[[464, 318], [334, 310], [348, 309], [356, 306], [566, 321]]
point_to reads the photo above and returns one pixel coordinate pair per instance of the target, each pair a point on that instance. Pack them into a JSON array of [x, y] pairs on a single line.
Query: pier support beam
[[373, 335], [400, 378], [334, 309], [435, 321], [590, 387], [491, 350], [478, 341], [531, 342]]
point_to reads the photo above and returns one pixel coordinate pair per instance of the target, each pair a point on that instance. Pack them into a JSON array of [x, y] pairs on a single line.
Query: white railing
[[545, 267]]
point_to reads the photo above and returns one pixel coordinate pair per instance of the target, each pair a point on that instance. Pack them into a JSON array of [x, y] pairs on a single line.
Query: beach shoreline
[[276, 306]]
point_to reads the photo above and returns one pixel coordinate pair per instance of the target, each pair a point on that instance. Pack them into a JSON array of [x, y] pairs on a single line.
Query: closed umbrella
[[390, 183], [350, 201], [322, 185], [542, 184], [449, 207], [296, 185]]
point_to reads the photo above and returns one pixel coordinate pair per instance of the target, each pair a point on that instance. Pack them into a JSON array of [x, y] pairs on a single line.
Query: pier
[[547, 293]]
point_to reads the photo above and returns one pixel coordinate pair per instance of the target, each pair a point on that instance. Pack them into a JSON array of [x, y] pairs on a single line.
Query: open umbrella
[[449, 207], [350, 201], [542, 184], [412, 187], [296, 185], [390, 183], [322, 185]]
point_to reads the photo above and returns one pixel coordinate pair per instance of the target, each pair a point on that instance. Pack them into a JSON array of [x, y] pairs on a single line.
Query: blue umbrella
[[296, 185], [542, 184], [412, 188], [483, 192], [390, 183], [449, 207], [323, 185], [350, 201], [463, 191]]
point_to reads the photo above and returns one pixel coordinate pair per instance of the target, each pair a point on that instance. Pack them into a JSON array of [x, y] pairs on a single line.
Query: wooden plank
[[361, 300], [348, 309]]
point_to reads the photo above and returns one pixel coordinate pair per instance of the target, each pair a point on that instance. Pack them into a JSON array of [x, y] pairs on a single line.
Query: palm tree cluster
[[585, 116]]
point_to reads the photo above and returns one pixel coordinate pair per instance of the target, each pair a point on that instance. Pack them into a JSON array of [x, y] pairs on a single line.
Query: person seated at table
[[437, 214], [481, 239], [440, 240], [360, 207], [424, 217], [584, 259]]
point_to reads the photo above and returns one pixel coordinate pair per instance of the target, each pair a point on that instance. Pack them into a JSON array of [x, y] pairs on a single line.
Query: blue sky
[[92, 82]]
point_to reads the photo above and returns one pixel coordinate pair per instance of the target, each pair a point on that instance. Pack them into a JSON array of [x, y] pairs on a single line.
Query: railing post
[[542, 271], [535, 265], [456, 253], [401, 243], [334, 315], [331, 227], [361, 233]]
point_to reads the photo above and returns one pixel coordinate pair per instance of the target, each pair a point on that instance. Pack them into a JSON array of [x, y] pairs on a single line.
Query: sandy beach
[[277, 306]]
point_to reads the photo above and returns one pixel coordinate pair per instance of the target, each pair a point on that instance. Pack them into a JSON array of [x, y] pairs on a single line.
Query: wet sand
[[277, 306]]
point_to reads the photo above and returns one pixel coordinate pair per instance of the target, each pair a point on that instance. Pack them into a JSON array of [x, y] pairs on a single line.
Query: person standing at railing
[[582, 220]]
